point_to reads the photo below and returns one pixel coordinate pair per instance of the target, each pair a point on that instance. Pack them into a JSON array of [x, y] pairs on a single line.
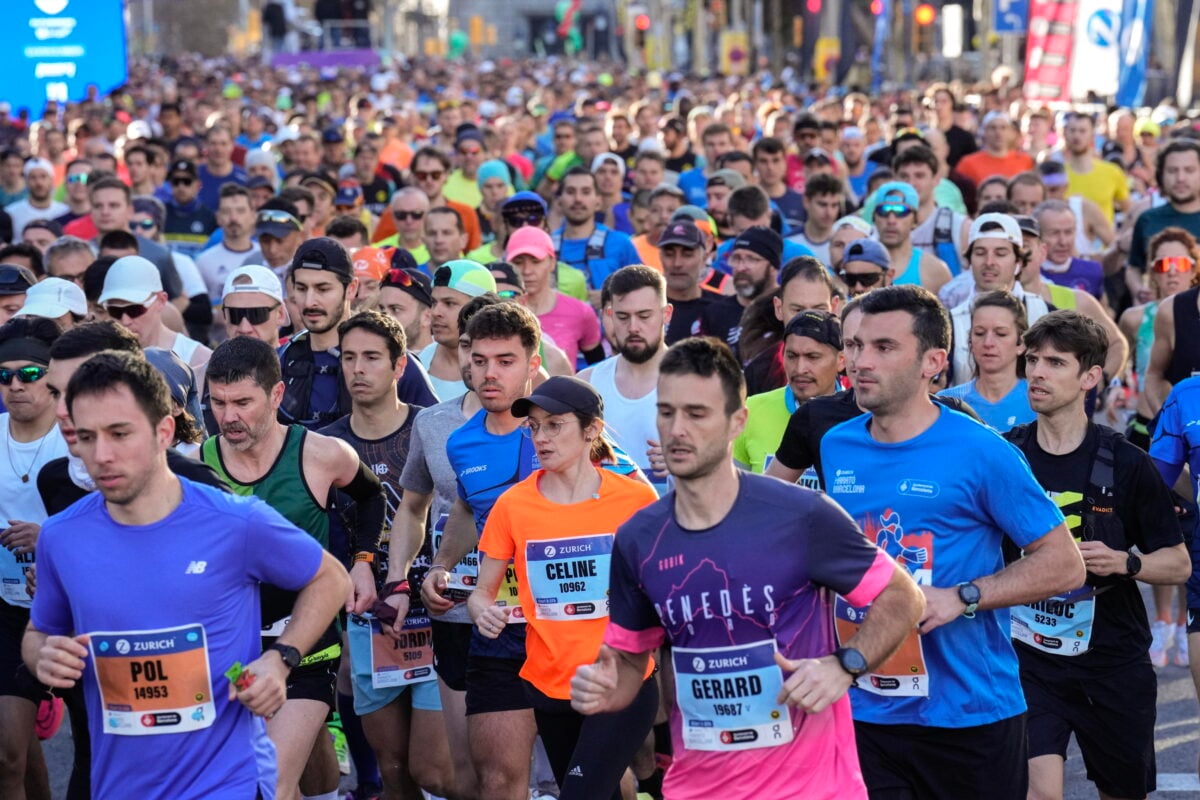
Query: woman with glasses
[[557, 528], [998, 391]]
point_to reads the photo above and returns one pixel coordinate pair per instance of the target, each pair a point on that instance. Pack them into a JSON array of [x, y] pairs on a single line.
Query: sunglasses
[[132, 311], [257, 315], [428, 176], [398, 277], [145, 225], [1174, 264], [401, 216], [182, 181], [893, 210], [29, 374], [470, 151], [80, 178], [864, 279], [522, 220], [509, 294]]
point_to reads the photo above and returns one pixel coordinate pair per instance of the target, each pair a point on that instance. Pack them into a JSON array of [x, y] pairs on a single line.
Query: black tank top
[[1185, 360]]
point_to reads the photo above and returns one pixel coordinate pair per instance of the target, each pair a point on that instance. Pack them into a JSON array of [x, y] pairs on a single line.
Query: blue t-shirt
[[694, 185], [1176, 442], [790, 250], [621, 220], [186, 590], [1012, 410], [485, 465], [858, 183], [210, 185], [618, 252], [944, 518], [791, 208]]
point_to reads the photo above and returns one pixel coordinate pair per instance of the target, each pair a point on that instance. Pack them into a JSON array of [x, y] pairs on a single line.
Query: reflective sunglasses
[[421, 175], [131, 311], [145, 225], [30, 374], [510, 294], [864, 279], [398, 277], [257, 315], [81, 177], [1174, 264], [893, 210], [470, 151], [401, 216]]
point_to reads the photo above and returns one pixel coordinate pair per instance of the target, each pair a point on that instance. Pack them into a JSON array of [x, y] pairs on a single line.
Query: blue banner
[[1010, 16], [882, 29], [55, 49], [1137, 28]]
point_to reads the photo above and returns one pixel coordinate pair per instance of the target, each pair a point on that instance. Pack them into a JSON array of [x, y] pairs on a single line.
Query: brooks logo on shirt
[[473, 470], [195, 568]]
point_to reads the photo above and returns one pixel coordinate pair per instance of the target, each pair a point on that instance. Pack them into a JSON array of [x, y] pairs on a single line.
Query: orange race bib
[[154, 682], [404, 662]]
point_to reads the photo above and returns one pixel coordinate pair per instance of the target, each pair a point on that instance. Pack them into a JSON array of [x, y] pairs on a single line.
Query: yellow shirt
[[1104, 185]]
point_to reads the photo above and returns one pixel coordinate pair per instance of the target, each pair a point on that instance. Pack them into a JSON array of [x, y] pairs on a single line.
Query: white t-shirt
[[189, 275], [23, 213], [19, 500], [218, 261], [820, 249]]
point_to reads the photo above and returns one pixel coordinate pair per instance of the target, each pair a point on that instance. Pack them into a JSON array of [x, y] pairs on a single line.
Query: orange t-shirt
[[981, 165], [561, 555], [387, 225], [650, 255]]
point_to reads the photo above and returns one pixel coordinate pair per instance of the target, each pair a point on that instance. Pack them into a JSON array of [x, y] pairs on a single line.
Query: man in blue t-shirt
[[945, 519], [159, 658], [584, 243]]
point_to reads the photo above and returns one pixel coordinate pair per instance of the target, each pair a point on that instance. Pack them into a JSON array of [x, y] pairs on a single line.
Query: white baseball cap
[[38, 163], [1009, 229], [132, 279], [254, 278], [613, 158], [52, 298]]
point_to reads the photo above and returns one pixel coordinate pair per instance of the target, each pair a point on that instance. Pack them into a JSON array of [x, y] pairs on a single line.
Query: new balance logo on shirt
[[195, 568]]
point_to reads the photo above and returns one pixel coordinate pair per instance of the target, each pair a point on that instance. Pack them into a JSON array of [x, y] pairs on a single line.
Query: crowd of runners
[[508, 429]]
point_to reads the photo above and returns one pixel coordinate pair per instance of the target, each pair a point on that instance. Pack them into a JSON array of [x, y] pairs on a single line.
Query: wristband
[[396, 587], [364, 558]]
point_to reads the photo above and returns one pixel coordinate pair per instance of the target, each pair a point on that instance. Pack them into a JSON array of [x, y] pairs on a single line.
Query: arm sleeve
[[842, 558], [277, 552], [633, 624], [1012, 496], [1137, 245], [366, 490]]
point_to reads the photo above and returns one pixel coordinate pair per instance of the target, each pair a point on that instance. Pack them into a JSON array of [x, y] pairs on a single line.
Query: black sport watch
[[969, 594], [289, 654], [852, 661], [1133, 565]]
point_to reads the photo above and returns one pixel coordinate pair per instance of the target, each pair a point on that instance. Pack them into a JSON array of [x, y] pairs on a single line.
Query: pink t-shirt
[[572, 324]]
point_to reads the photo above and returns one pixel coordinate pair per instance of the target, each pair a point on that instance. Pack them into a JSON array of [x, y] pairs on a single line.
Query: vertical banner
[[1137, 26], [1049, 50], [1097, 59], [882, 30], [1185, 45]]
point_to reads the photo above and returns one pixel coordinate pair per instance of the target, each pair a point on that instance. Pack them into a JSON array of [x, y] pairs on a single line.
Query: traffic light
[[813, 6], [924, 14], [877, 7], [642, 22]]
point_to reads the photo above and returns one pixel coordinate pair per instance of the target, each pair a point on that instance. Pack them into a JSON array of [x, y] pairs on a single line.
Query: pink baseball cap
[[529, 241]]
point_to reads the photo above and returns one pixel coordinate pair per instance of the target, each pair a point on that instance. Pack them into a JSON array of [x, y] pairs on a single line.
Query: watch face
[[853, 661], [968, 593]]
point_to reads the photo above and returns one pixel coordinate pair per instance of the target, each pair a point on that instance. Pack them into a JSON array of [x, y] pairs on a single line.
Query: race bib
[[154, 682], [465, 575], [13, 568], [403, 662], [568, 578], [508, 597], [726, 697], [902, 675], [1060, 626]]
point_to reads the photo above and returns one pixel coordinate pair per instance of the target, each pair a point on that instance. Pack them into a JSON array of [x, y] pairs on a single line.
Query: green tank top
[[280, 487], [1145, 343]]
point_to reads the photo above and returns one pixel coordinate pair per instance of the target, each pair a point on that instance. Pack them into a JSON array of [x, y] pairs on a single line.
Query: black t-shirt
[[765, 371], [58, 491], [683, 163], [1146, 509], [800, 447], [378, 193], [685, 317], [723, 319]]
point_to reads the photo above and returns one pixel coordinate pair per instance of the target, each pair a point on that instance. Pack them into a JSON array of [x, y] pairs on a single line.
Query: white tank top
[[629, 421]]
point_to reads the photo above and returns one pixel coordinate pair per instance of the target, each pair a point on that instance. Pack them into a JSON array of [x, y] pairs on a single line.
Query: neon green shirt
[[767, 419]]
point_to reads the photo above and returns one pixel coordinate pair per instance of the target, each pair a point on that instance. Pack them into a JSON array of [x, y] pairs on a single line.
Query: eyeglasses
[[864, 279], [523, 220], [402, 216], [182, 181], [510, 294], [30, 374], [552, 428], [81, 177], [257, 315], [131, 311], [145, 224], [1174, 264], [893, 210], [421, 175]]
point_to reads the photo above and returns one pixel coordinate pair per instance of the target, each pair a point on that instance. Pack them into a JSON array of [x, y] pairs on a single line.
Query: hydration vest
[[943, 239], [593, 249], [299, 369]]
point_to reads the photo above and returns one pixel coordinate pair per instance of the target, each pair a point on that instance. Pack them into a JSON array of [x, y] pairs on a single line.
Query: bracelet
[[396, 587], [364, 558]]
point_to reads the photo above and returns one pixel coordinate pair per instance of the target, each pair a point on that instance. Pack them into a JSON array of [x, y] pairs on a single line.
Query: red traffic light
[[924, 14], [813, 6], [642, 22], [877, 7]]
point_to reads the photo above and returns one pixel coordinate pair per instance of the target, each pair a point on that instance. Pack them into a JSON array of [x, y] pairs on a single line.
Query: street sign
[[1011, 16]]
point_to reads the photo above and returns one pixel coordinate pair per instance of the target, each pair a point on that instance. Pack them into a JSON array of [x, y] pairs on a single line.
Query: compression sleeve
[[367, 493]]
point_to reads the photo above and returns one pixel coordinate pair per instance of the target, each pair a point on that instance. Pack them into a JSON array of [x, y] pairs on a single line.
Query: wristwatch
[[1133, 565], [289, 654], [969, 594], [852, 661]]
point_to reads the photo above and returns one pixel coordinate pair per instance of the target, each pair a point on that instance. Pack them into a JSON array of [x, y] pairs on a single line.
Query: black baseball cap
[[412, 282], [259, 182], [15, 279], [325, 254], [1028, 225], [276, 222], [182, 167], [508, 274], [682, 232], [820, 326], [562, 395], [326, 182]]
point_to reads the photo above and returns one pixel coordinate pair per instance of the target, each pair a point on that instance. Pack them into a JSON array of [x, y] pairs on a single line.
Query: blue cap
[[522, 199], [348, 194], [867, 250], [897, 192]]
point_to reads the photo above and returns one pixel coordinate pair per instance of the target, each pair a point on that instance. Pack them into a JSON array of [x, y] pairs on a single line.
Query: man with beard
[[754, 260], [289, 467], [627, 382], [322, 281], [1179, 179], [584, 243], [721, 184], [235, 215]]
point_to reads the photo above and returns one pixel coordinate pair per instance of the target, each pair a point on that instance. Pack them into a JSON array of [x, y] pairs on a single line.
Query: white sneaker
[[1161, 634], [1181, 646]]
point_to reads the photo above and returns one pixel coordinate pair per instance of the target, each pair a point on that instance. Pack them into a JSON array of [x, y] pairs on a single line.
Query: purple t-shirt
[[725, 598], [1079, 274]]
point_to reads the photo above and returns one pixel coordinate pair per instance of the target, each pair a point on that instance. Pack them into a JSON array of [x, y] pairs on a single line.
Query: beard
[[750, 289], [639, 352]]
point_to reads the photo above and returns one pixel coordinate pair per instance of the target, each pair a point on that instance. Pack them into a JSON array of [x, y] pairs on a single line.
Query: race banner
[[1049, 49]]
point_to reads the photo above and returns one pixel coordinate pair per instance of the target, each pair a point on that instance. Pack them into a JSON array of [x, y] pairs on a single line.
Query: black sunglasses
[[133, 311], [29, 374], [865, 279], [401, 216], [256, 314], [182, 181], [522, 220]]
